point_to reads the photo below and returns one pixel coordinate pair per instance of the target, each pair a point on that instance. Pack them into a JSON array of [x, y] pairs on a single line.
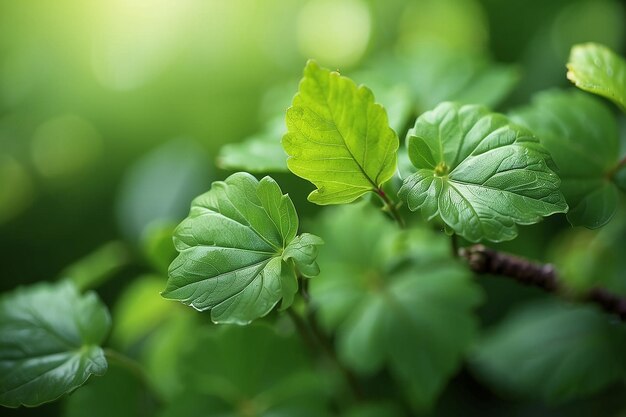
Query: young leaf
[[478, 173], [338, 137], [49, 342], [394, 299], [582, 136], [597, 69], [558, 352], [237, 251]]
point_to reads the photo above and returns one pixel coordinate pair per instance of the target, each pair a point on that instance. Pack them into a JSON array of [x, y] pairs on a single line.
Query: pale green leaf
[[259, 153], [234, 249], [478, 173], [552, 351], [157, 246], [582, 136], [139, 311], [438, 73], [158, 186], [98, 266], [338, 137], [599, 70], [589, 259], [50, 337], [394, 299]]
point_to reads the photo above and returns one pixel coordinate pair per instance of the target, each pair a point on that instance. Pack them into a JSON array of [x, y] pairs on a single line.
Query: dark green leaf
[[49, 342], [599, 70], [338, 137], [553, 351], [582, 136], [238, 249], [250, 371], [119, 394], [479, 173], [395, 299]]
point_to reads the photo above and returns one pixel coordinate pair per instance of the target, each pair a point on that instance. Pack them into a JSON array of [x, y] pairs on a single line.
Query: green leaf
[[259, 153], [599, 70], [49, 342], [238, 249], [579, 255], [119, 394], [553, 351], [338, 137], [478, 173], [139, 311], [157, 246], [437, 73], [98, 266], [250, 371], [158, 186], [394, 299], [582, 136]]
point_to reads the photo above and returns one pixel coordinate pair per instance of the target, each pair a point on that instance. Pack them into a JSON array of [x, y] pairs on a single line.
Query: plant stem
[[454, 243], [391, 208], [621, 164], [317, 340], [483, 260], [129, 364]]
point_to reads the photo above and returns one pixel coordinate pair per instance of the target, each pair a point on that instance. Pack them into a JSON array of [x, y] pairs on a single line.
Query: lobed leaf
[[50, 337], [599, 70], [478, 173], [582, 136], [238, 250], [338, 137]]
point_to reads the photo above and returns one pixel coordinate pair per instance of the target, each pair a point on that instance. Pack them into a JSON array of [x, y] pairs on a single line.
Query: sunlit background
[[113, 112]]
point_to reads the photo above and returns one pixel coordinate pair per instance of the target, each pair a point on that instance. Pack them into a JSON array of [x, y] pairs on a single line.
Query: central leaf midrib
[[248, 226], [253, 265], [471, 184], [332, 119]]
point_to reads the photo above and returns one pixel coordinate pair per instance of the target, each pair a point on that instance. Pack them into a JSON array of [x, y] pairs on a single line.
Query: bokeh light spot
[[335, 32]]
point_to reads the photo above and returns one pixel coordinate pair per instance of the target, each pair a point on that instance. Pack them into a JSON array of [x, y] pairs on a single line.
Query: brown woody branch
[[484, 260]]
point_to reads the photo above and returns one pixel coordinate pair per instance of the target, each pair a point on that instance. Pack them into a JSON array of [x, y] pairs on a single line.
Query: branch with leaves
[[383, 298]]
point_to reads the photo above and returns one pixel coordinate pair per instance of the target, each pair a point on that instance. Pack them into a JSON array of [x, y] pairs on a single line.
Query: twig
[[618, 167], [483, 260], [391, 208], [315, 339], [454, 244]]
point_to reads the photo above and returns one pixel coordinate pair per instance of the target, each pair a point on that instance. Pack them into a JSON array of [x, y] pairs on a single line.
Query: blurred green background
[[112, 112]]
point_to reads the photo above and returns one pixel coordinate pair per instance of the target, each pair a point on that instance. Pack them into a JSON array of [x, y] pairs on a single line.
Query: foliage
[[50, 344], [424, 145], [238, 251], [478, 173]]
